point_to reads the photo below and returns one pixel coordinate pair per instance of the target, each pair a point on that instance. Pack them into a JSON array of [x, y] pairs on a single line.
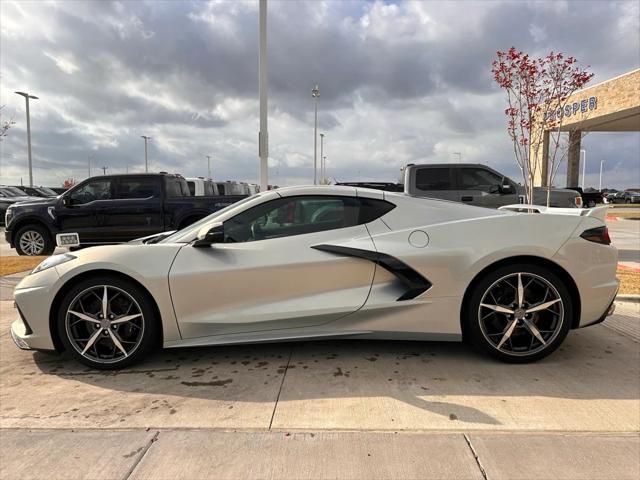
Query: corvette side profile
[[324, 262]]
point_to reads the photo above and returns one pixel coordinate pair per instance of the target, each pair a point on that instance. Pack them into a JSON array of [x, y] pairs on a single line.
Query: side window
[[286, 217], [221, 189], [92, 191], [370, 209], [137, 187], [192, 187], [176, 187], [208, 189], [478, 179], [434, 179]]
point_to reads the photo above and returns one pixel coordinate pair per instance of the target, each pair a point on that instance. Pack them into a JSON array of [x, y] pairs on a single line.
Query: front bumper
[[33, 297], [8, 236]]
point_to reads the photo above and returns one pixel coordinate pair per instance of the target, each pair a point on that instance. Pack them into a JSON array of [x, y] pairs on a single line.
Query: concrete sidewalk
[[328, 410], [206, 454]]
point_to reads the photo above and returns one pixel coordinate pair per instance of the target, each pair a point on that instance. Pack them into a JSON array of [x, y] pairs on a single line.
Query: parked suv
[[44, 192], [108, 209], [479, 185], [9, 196]]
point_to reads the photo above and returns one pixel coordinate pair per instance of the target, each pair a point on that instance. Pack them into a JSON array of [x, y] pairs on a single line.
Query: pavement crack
[[286, 368], [475, 455], [141, 456]]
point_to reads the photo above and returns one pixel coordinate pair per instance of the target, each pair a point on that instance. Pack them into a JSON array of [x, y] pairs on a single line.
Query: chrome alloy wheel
[[521, 314], [32, 242], [104, 324]]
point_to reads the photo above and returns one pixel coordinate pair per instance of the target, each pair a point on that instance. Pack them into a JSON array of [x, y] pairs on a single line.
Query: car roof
[[343, 190]]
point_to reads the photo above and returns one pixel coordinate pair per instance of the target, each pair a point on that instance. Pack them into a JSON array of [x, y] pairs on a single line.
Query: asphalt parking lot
[[333, 409]]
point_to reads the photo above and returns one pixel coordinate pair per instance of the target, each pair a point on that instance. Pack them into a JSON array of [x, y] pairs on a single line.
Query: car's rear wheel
[[34, 240], [107, 322], [519, 313]]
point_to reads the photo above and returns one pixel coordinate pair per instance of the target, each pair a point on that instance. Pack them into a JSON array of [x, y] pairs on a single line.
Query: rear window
[[177, 187], [137, 187], [434, 179]]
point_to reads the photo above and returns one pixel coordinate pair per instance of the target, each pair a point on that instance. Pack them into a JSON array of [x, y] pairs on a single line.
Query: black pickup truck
[[109, 209]]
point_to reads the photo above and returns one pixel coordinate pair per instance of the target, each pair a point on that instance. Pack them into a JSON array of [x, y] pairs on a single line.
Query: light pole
[[321, 156], [89, 162], [209, 165], [324, 170], [27, 97], [146, 164], [104, 170], [315, 93], [584, 165], [600, 183], [459, 154], [263, 134]]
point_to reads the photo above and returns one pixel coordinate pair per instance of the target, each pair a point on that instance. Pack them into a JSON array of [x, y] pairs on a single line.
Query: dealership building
[[609, 106]]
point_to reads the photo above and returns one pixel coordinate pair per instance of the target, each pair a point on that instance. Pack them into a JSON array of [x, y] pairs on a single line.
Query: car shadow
[[594, 363]]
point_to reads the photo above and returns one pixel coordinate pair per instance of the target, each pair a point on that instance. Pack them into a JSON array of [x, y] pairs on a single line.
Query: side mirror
[[506, 189], [494, 189], [210, 234]]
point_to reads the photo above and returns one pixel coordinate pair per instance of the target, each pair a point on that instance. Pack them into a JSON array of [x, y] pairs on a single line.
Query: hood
[[27, 200]]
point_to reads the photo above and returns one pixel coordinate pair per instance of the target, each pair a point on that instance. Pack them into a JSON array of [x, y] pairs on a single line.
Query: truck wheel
[[34, 240]]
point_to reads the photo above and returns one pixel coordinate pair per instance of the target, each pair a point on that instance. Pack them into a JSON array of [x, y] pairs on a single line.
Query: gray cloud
[[400, 82]]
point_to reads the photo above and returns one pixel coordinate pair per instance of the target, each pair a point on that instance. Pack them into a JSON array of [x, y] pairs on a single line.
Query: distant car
[[58, 190], [628, 196], [478, 184], [43, 192], [9, 196], [319, 262], [202, 187], [589, 199]]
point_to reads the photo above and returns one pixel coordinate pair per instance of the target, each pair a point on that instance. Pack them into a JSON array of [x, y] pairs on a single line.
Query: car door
[[134, 211], [77, 209], [267, 276], [435, 182], [482, 187]]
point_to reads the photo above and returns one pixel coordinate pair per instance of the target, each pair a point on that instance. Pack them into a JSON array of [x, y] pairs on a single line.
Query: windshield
[[47, 191], [187, 234], [14, 192]]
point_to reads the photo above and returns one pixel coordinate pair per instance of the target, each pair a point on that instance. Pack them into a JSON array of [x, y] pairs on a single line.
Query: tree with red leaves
[[68, 183], [536, 89]]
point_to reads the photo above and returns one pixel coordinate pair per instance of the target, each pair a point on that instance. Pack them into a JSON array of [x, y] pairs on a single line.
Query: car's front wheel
[[34, 240], [519, 313], [107, 322]]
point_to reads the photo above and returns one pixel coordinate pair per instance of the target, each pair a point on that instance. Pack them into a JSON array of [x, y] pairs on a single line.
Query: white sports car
[[328, 262]]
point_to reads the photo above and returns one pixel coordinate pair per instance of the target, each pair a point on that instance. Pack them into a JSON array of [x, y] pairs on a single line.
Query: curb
[[628, 297]]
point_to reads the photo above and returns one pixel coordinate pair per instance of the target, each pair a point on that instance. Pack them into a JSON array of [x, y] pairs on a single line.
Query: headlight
[[53, 261]]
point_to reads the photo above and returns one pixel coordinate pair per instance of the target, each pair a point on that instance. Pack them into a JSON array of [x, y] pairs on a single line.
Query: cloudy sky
[[400, 82]]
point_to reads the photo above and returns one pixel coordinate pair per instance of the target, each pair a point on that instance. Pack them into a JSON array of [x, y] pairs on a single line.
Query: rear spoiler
[[597, 212]]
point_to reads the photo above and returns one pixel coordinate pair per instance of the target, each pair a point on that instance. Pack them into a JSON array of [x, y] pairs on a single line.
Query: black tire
[[34, 231], [472, 313], [150, 331]]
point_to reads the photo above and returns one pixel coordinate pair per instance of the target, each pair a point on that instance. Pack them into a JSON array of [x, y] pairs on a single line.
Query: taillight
[[597, 235], [578, 201]]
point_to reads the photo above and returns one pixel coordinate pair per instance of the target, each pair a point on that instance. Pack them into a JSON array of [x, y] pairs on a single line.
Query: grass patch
[[629, 281], [9, 265]]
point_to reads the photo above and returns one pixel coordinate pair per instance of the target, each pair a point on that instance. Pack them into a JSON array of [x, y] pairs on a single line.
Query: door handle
[[467, 199]]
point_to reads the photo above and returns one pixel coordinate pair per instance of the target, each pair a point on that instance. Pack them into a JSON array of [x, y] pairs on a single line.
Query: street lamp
[[27, 97], [459, 154], [209, 165], [263, 80], [584, 165], [146, 164], [600, 183], [321, 156], [324, 170], [315, 93]]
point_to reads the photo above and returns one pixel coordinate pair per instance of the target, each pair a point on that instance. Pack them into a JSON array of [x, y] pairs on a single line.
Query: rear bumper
[[610, 309]]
